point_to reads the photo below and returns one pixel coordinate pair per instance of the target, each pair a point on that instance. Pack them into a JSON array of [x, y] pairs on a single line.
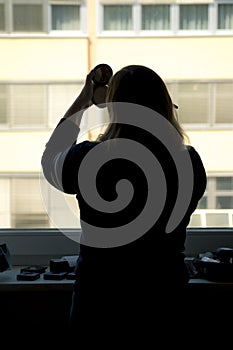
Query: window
[[27, 209], [118, 17], [155, 17], [65, 17], [224, 95], [24, 206], [42, 16], [27, 18], [2, 17], [21, 205], [225, 16], [224, 192], [30, 105], [197, 111], [34, 105], [216, 207], [193, 17], [3, 104], [166, 18], [219, 193], [208, 104]]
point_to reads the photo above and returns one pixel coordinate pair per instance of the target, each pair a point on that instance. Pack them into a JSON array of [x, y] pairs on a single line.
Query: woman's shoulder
[[196, 161], [79, 150], [194, 154], [85, 146], [195, 157], [192, 150]]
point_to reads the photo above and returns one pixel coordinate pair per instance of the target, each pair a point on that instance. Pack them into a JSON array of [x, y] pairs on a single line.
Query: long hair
[[139, 85]]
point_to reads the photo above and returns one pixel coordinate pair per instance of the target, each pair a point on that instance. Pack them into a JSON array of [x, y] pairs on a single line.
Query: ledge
[[9, 282]]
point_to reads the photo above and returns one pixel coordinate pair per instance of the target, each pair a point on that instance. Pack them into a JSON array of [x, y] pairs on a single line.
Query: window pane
[[217, 220], [35, 105], [3, 104], [225, 16], [202, 203], [27, 18], [26, 202], [60, 97], [2, 18], [118, 17], [65, 17], [224, 183], [28, 105], [5, 207], [194, 17], [30, 220], [195, 221], [224, 202], [26, 195], [224, 98], [193, 102], [155, 17]]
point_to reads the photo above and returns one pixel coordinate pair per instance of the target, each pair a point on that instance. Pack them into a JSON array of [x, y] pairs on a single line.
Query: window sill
[[38, 246], [9, 282]]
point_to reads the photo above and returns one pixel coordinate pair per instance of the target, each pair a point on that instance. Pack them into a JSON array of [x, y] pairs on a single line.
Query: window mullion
[[46, 16], [100, 19], [136, 18], [48, 108], [83, 18], [212, 11], [10, 105], [212, 104], [211, 194], [174, 12], [9, 16]]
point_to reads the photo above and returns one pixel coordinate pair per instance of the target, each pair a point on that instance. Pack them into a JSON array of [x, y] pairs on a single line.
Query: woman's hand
[[86, 94], [84, 99]]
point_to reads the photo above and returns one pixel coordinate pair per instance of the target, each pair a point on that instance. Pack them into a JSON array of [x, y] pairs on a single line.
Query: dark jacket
[[156, 257]]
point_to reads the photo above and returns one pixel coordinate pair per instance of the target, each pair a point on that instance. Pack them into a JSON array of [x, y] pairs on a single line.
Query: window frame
[[193, 32], [221, 31], [215, 192], [48, 100], [118, 33], [211, 123], [33, 246], [174, 21], [47, 19]]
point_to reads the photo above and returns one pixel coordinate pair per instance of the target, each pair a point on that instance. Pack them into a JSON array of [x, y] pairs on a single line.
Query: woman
[[141, 273]]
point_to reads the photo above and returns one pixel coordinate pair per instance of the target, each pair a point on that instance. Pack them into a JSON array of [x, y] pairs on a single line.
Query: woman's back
[[137, 187]]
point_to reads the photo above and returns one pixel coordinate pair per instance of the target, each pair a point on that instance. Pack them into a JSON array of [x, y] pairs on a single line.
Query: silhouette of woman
[[132, 273]]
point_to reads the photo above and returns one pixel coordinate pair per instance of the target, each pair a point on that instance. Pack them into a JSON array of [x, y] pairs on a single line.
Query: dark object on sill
[[224, 254], [59, 265], [34, 268], [190, 264], [55, 276], [71, 276], [215, 266], [28, 276], [5, 258]]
